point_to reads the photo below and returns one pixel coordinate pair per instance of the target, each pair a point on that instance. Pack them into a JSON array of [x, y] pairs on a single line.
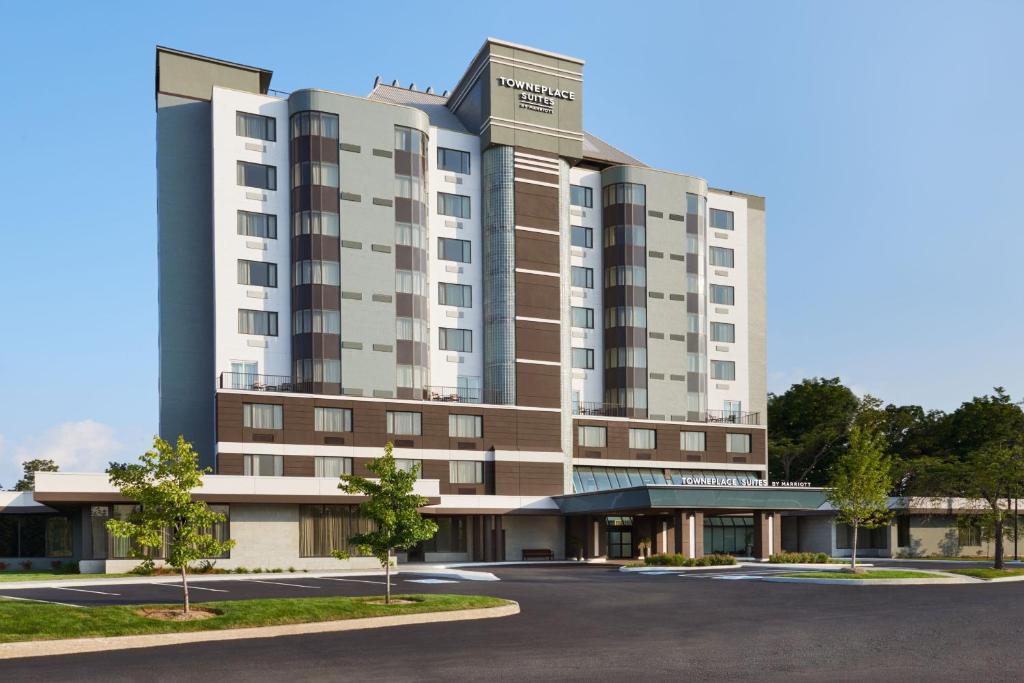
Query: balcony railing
[[710, 417], [283, 383], [453, 394], [732, 417], [253, 382], [600, 409]]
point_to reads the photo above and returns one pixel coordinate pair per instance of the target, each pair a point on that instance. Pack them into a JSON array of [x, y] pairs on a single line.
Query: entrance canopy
[[707, 498]]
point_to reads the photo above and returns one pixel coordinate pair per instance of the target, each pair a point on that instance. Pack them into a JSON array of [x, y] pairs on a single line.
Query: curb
[[41, 648], [870, 582], [829, 566], [673, 570]]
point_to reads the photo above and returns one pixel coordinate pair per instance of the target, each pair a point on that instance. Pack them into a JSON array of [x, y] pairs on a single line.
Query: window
[[451, 536], [733, 409], [633, 276], [465, 472], [255, 126], [35, 535], [451, 339], [643, 438], [408, 140], [467, 426], [410, 282], [723, 369], [581, 196], [722, 220], [316, 273], [624, 193], [867, 539], [316, 223], [692, 441], [625, 357], [316, 320], [583, 358], [737, 443], [407, 465], [404, 423], [263, 465], [693, 323], [315, 123], [326, 466], [257, 273], [411, 329], [454, 160], [627, 235], [582, 237], [723, 294], [455, 205], [625, 316], [968, 531], [257, 322], [723, 332], [317, 370], [314, 173], [721, 256], [593, 437], [408, 187], [453, 250], [410, 235], [903, 531], [243, 374], [252, 224], [583, 317], [332, 419], [326, 528], [262, 416], [257, 175], [451, 294], [582, 277]]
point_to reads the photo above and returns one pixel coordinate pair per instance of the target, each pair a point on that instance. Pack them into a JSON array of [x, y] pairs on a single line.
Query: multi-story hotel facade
[[569, 343]]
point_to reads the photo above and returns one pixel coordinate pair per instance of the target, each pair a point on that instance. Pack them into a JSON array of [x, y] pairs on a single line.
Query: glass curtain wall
[[696, 337]]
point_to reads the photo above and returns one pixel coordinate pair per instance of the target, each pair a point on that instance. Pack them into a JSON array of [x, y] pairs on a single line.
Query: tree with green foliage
[[860, 483], [393, 508], [984, 421], [30, 467], [166, 515]]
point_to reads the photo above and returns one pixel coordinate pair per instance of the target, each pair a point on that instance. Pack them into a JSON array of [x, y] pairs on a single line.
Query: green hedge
[[799, 558], [682, 561]]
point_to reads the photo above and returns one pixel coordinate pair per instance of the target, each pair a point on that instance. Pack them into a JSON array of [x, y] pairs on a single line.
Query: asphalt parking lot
[[594, 623]]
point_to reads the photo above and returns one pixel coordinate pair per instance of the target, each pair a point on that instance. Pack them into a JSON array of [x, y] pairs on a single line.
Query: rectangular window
[[721, 220], [404, 423], [410, 282], [723, 369], [581, 196], [451, 339], [723, 294], [737, 443], [466, 426], [465, 472], [257, 273], [968, 531], [255, 126], [582, 237], [583, 358], [332, 419], [326, 528], [451, 294], [252, 224], [315, 123], [454, 160], [903, 531], [456, 205], [454, 250], [262, 416], [692, 441], [451, 536], [332, 467], [582, 277], [583, 317], [263, 465], [316, 320], [408, 465], [257, 322], [260, 176], [723, 332], [594, 437], [316, 273], [316, 223], [643, 438], [319, 173], [722, 257]]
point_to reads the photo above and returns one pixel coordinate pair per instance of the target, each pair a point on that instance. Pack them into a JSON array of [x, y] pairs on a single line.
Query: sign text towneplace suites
[[536, 97]]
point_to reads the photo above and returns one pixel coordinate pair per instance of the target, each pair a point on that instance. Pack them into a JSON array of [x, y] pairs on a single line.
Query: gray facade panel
[[499, 276]]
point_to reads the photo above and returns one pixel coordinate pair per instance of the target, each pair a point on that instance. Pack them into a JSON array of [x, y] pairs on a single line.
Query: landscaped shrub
[[26, 565], [799, 558], [3, 566], [144, 568], [677, 560]]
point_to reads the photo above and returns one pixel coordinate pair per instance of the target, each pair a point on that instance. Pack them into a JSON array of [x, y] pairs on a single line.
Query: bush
[[799, 558], [26, 565], [241, 570], [677, 560], [3, 566], [145, 568]]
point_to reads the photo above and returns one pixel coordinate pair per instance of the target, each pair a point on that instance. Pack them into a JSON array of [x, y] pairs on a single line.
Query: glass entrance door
[[620, 537]]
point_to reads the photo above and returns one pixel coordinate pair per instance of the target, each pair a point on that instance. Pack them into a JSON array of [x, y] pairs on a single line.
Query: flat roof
[[721, 498]]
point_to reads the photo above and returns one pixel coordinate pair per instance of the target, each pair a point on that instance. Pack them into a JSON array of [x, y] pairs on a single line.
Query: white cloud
[[79, 446]]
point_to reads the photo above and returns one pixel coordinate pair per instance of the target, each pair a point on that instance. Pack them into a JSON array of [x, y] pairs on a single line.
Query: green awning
[[733, 499]]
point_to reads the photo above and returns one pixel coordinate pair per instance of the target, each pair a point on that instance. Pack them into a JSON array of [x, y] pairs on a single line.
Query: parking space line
[[331, 578], [83, 590], [279, 583], [48, 602], [191, 587]]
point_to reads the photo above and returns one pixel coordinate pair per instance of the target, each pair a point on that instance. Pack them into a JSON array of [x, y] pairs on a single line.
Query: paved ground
[[594, 623]]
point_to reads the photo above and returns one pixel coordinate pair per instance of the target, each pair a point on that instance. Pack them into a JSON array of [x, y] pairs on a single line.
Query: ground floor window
[[450, 537], [326, 528], [968, 531], [620, 537], [35, 536], [903, 531], [867, 539], [106, 546], [729, 535]]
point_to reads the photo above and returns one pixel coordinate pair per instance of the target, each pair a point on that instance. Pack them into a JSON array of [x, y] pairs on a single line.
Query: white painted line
[[329, 578], [48, 602], [82, 590], [279, 583], [430, 581], [191, 588]]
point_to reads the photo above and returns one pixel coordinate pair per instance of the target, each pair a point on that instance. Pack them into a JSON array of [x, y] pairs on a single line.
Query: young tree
[[162, 484], [861, 479], [392, 507], [30, 467]]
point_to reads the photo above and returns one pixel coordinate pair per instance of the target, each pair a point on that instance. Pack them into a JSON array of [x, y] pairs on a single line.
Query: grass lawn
[[987, 572], [54, 576], [40, 621], [874, 574]]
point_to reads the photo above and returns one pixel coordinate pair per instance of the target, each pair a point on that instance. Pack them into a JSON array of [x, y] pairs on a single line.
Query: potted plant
[[644, 546]]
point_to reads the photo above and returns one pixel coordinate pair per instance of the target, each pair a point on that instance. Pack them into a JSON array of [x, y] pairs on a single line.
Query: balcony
[[599, 409], [709, 417], [284, 384], [731, 417]]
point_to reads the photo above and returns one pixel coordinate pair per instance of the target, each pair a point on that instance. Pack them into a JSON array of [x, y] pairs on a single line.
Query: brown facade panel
[[538, 341], [230, 463], [299, 466], [540, 176], [527, 478], [538, 385], [537, 251], [539, 431], [667, 447], [538, 296]]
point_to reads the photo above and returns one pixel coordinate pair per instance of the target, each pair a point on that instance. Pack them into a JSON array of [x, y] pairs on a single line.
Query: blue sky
[[886, 136]]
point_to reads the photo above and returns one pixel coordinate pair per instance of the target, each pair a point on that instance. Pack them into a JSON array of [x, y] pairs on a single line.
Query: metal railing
[[600, 409], [732, 417], [252, 382]]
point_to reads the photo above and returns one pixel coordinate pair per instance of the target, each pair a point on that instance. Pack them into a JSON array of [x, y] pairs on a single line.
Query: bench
[[537, 554]]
